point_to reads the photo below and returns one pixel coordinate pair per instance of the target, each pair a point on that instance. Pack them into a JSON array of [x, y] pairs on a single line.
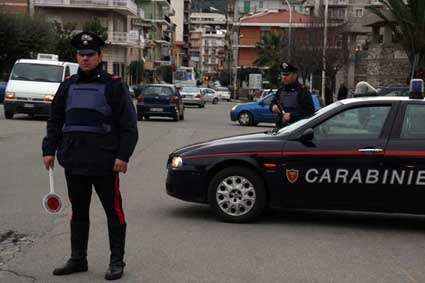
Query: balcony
[[125, 38], [125, 7], [163, 2]]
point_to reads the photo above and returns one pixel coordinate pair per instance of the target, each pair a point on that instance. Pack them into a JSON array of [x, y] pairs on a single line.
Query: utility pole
[[325, 39], [290, 28]]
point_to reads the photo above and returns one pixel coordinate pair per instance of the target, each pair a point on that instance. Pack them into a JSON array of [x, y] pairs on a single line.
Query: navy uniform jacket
[[84, 153], [304, 103]]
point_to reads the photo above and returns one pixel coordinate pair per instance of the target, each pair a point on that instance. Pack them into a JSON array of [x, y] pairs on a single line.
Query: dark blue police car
[[356, 154]]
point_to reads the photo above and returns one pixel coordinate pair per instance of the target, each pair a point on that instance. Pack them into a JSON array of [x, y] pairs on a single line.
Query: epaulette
[[68, 77], [115, 78]]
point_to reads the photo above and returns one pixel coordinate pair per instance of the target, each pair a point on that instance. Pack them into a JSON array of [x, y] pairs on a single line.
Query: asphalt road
[[174, 241]]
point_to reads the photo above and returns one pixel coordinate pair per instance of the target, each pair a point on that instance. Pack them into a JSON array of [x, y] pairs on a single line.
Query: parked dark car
[[2, 90], [161, 100]]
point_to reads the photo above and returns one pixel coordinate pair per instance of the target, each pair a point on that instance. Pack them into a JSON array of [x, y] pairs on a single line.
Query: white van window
[[67, 72], [37, 72]]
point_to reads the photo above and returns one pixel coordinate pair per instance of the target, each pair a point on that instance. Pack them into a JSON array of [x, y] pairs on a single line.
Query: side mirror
[[308, 135]]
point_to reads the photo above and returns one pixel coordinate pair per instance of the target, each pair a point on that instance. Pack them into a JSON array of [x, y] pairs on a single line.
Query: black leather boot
[[117, 245], [78, 260]]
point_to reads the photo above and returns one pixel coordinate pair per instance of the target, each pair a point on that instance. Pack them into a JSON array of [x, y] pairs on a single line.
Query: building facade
[[160, 36], [207, 43], [16, 6], [181, 37], [123, 43]]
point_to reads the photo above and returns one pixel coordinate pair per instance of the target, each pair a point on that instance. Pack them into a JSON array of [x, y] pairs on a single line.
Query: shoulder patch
[[68, 77], [115, 78]]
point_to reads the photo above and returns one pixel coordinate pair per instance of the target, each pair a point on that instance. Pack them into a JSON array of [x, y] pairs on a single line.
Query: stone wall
[[382, 65]]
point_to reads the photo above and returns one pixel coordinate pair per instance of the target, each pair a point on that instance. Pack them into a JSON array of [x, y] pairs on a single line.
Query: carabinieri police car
[[356, 154]]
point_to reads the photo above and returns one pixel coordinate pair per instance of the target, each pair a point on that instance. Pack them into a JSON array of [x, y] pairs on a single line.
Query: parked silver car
[[210, 95], [192, 95], [223, 93]]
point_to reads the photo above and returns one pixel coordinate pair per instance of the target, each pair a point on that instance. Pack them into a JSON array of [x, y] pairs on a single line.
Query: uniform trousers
[[107, 188]]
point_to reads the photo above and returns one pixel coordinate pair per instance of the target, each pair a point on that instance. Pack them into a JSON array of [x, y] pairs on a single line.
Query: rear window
[[157, 91], [37, 73], [190, 89]]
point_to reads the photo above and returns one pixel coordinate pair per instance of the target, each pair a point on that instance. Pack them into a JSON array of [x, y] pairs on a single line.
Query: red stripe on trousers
[[117, 200]]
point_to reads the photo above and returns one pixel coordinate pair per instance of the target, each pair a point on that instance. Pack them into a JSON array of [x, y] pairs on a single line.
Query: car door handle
[[371, 150]]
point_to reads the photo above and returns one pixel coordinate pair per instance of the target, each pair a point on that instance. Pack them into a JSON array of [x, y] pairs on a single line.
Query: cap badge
[[86, 37]]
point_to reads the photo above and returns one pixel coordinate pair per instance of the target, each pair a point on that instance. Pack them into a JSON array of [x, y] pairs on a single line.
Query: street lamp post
[[290, 28], [325, 39]]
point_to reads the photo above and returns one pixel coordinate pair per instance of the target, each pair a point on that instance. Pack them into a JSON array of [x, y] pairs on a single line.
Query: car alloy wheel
[[237, 194], [245, 118]]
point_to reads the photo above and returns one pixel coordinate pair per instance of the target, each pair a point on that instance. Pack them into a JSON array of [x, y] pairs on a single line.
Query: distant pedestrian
[[328, 95], [342, 92]]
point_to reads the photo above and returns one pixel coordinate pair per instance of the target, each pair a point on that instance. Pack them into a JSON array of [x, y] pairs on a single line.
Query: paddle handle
[[52, 187]]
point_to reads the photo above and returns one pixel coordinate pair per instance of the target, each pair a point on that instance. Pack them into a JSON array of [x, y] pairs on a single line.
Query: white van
[[33, 84]]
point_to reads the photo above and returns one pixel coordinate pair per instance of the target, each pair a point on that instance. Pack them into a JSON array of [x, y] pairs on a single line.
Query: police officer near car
[[292, 101], [93, 131]]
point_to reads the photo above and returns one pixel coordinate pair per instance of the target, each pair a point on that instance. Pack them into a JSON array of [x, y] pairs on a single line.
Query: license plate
[[28, 105], [157, 109]]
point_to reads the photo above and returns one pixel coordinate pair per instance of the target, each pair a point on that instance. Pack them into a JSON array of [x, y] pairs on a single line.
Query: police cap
[[87, 43], [288, 68]]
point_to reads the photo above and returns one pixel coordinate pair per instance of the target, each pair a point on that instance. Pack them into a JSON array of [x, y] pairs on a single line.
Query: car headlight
[[10, 95], [234, 107], [48, 98], [176, 162]]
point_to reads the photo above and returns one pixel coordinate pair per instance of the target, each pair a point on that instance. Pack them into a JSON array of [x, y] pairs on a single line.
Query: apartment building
[[123, 44], [212, 53], [246, 7], [354, 13], [181, 41], [159, 37], [16, 6], [207, 39]]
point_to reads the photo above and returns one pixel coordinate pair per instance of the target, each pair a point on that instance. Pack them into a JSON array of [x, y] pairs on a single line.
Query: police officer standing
[[293, 98], [93, 130]]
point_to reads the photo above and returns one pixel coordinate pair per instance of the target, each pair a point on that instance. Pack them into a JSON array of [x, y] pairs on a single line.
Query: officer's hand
[[275, 109], [49, 161], [120, 166], [287, 117]]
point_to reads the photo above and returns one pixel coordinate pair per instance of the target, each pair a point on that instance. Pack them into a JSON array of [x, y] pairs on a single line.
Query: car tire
[[146, 117], [228, 100], [245, 118], [237, 194], [8, 114], [215, 101], [139, 116]]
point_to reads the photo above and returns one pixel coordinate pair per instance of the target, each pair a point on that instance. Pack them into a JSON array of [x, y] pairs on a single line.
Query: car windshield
[[222, 89], [157, 91], [302, 122], [37, 72], [190, 89]]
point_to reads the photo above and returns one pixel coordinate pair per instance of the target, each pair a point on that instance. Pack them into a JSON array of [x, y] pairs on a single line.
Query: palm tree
[[271, 52], [409, 29]]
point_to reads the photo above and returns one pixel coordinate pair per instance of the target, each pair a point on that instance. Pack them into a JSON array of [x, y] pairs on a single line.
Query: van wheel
[[8, 114], [237, 194], [215, 101]]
